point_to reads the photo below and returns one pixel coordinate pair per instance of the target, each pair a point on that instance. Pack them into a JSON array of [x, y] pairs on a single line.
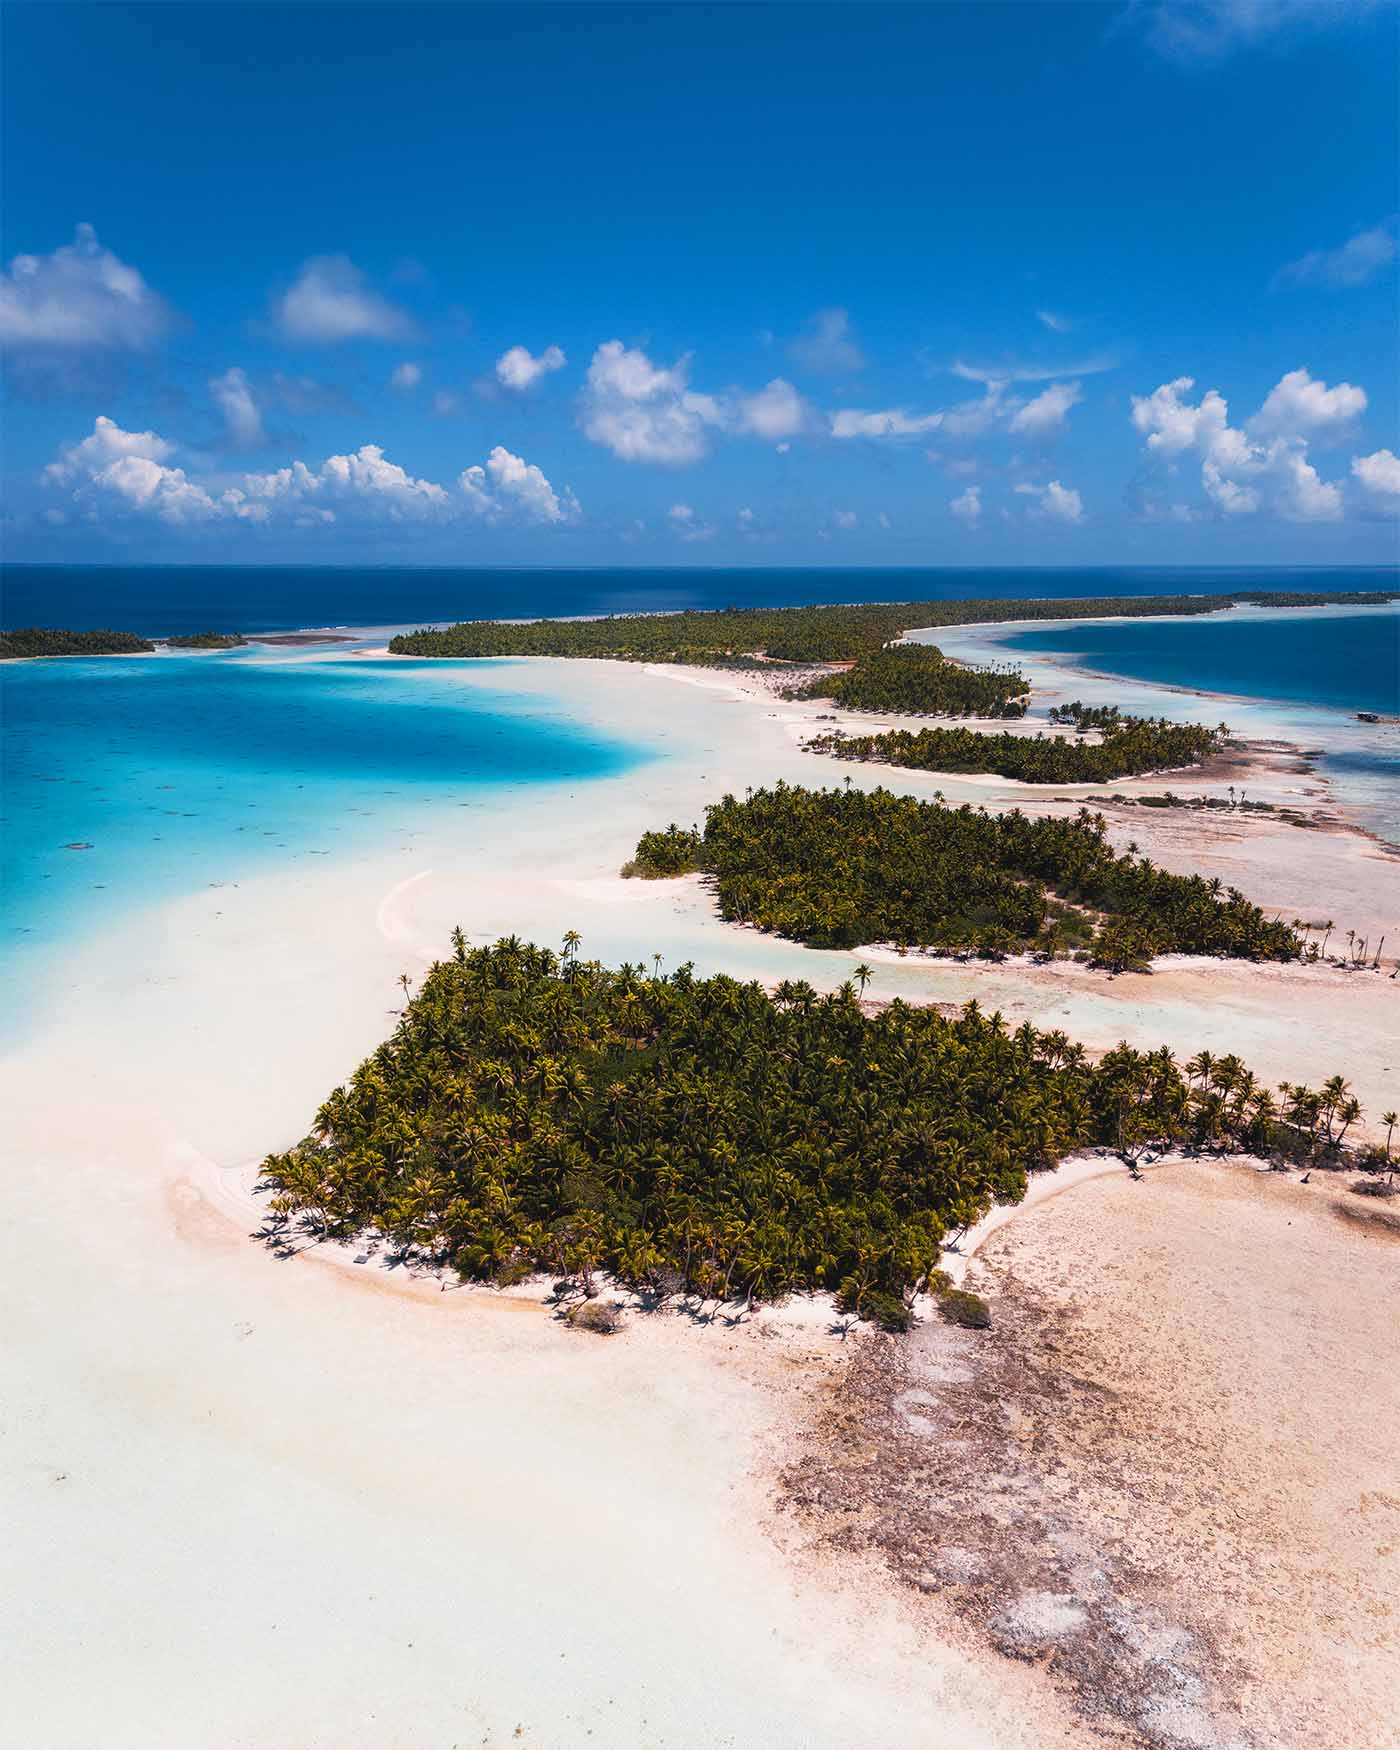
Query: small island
[[537, 1113], [919, 681], [58, 641], [205, 640], [1129, 746], [838, 868]]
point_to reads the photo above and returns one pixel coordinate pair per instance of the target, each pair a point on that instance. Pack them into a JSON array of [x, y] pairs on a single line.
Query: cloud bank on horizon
[[1001, 403]]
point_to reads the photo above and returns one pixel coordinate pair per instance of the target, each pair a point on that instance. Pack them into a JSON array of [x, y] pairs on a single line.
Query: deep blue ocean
[[158, 599], [1348, 661]]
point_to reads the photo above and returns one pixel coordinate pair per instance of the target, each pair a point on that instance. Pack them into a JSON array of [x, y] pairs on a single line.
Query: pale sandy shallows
[[252, 1502], [1168, 1473]]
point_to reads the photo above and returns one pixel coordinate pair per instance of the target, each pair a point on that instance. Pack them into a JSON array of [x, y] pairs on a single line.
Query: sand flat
[[1167, 1474], [316, 1510]]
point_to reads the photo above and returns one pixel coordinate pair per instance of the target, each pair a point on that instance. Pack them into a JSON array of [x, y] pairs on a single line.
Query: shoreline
[[329, 1447], [1066, 664], [343, 631]]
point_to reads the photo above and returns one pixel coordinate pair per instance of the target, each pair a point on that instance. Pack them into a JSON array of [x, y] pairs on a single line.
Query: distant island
[[55, 641], [205, 640], [1130, 746], [841, 633]]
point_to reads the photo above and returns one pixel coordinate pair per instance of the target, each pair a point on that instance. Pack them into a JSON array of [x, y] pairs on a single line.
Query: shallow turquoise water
[[173, 773], [1320, 669], [1350, 662]]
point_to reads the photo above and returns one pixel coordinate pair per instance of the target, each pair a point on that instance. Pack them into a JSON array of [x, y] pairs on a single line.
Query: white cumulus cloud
[[777, 410], [1263, 466], [330, 301], [509, 482], [518, 368], [233, 396], [127, 470], [1046, 412], [1378, 472], [1062, 504], [408, 375], [1172, 424], [967, 506], [80, 296], [130, 472], [1300, 404], [364, 481], [106, 443], [644, 412]]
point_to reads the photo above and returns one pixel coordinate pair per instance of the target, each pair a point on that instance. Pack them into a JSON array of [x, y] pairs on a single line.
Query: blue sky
[[578, 284]]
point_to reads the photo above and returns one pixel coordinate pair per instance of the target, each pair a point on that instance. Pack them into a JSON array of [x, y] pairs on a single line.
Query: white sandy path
[[261, 1503]]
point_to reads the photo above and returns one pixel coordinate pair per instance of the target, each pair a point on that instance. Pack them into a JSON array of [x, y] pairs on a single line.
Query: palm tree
[[863, 977], [698, 1134]]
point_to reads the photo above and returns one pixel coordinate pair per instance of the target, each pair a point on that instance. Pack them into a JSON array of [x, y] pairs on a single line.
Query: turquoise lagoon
[[130, 781], [135, 779]]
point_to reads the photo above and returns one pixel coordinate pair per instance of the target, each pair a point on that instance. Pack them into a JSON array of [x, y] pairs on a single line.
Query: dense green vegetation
[[673, 851], [55, 641], [835, 868], [1086, 717], [919, 680], [206, 640], [532, 1112], [1130, 745], [814, 634]]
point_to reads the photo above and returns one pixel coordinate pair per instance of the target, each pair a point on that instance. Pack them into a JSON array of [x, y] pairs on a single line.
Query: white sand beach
[[264, 1502]]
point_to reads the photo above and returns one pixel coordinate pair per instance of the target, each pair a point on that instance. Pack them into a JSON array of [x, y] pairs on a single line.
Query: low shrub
[[886, 1310], [599, 1316], [969, 1310]]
